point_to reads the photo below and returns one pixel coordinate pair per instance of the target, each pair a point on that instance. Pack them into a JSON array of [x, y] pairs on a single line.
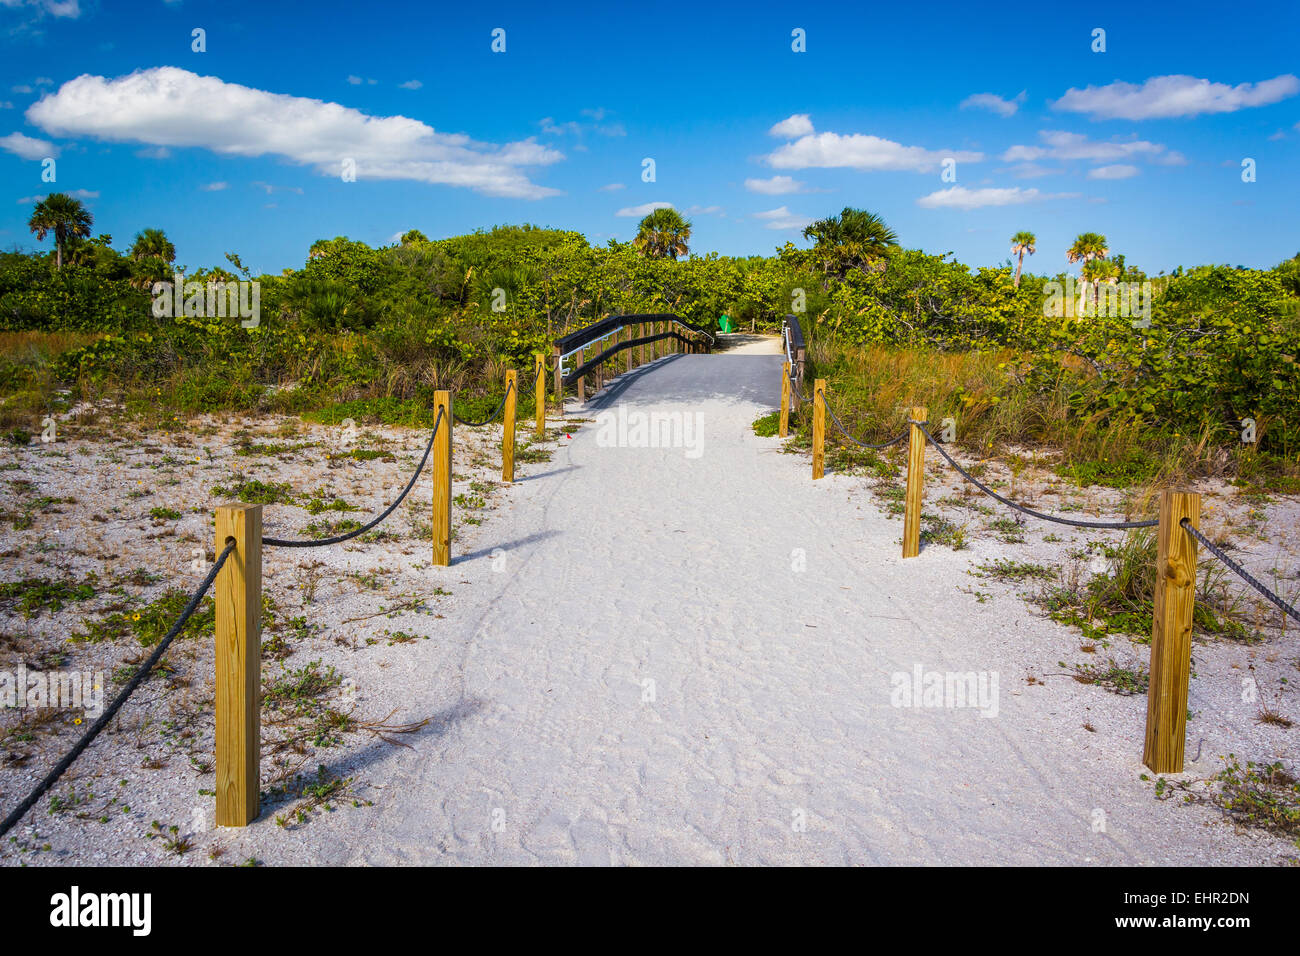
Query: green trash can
[[724, 323]]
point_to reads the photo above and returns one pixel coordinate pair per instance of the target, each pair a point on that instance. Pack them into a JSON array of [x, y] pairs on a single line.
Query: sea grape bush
[[395, 322]]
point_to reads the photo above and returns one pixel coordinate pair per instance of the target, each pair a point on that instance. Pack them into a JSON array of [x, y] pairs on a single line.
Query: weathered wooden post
[[442, 481], [539, 395], [915, 482], [785, 402], [627, 352], [508, 428], [819, 428], [238, 598], [582, 379], [1171, 633]]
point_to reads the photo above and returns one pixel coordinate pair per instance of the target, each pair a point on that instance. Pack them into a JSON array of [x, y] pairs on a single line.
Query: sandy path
[[768, 734]]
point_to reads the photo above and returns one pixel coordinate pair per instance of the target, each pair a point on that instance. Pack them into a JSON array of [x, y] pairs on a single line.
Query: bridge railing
[[796, 353], [589, 352]]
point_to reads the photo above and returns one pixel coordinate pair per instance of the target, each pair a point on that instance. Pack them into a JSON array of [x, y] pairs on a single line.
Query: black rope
[[317, 542], [1073, 522], [53, 777], [1241, 572], [861, 444], [490, 418]]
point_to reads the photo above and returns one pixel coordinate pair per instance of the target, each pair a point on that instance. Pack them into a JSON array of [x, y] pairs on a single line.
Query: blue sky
[[240, 148]]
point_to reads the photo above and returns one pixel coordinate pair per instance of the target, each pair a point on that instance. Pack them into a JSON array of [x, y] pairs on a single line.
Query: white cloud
[[1161, 97], [1117, 171], [644, 209], [959, 197], [1058, 144], [25, 147], [575, 128], [410, 85], [782, 218], [355, 80], [994, 103], [702, 210], [775, 186], [611, 187], [792, 127], [155, 152], [75, 194], [853, 151], [22, 88], [6, 105], [214, 187], [268, 188], [167, 106], [69, 9]]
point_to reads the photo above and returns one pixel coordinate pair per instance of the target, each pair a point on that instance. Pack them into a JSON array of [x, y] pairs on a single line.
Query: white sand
[[768, 735]]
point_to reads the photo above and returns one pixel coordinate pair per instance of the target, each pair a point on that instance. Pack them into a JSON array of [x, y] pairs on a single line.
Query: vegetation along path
[[688, 655]]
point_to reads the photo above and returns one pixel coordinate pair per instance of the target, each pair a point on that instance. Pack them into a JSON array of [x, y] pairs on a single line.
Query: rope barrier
[[861, 444], [53, 777], [317, 542], [491, 418], [1073, 522], [1241, 572]]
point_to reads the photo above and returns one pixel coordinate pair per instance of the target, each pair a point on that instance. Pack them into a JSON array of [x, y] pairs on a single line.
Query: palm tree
[[153, 253], [65, 217], [663, 234], [1087, 247], [850, 240], [1022, 243], [152, 244]]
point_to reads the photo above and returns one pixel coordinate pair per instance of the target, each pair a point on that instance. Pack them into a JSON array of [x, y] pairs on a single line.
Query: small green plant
[[256, 492], [766, 426], [164, 514]]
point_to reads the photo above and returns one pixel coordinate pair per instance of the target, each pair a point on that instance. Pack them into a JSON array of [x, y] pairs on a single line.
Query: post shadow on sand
[[381, 744], [486, 550]]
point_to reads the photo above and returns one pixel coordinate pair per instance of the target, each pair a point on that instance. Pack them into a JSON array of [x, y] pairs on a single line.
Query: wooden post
[[442, 482], [539, 395], [582, 379], [238, 598], [819, 428], [627, 352], [785, 403], [915, 483], [1171, 633], [508, 433]]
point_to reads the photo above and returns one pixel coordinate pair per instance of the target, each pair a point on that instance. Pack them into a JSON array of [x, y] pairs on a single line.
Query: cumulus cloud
[[775, 186], [853, 151], [644, 209], [167, 106], [994, 103], [1117, 171], [1162, 97], [68, 9], [1058, 144], [25, 147], [577, 129], [782, 218], [792, 127], [959, 197], [75, 194]]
